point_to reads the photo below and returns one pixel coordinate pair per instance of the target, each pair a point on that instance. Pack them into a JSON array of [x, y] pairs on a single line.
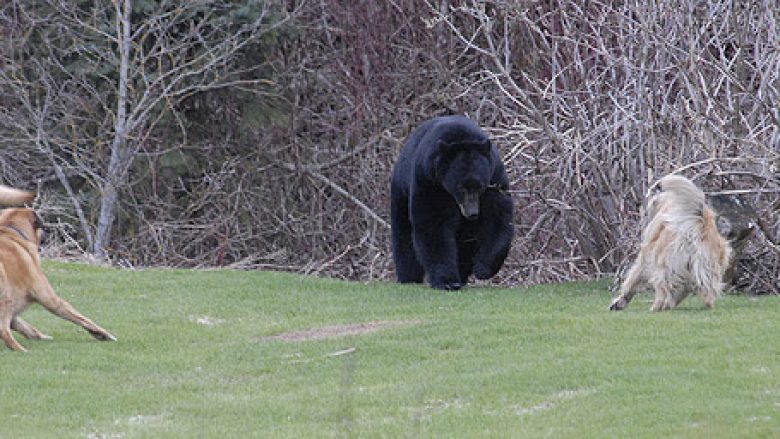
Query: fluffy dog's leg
[[58, 306], [27, 330], [6, 313], [670, 302], [663, 299], [709, 281], [708, 295], [628, 288]]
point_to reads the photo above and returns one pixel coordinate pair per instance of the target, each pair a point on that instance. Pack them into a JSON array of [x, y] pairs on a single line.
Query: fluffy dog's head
[[25, 222]]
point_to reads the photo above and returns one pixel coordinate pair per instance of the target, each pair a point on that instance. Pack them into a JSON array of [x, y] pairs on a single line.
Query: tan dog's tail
[[12, 197]]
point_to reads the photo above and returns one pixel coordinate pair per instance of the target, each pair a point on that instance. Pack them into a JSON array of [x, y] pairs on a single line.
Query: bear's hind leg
[[407, 268]]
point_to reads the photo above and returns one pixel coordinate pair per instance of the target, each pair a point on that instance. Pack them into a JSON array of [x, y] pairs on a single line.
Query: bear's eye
[[471, 186]]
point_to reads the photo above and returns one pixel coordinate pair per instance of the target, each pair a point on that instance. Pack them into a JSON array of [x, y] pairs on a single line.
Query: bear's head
[[464, 169]]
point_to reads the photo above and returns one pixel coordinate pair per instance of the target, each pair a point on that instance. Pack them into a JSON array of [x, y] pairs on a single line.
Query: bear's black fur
[[450, 211]]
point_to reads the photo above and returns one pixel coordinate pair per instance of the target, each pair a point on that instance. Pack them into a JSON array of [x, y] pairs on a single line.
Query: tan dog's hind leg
[[27, 330], [51, 301], [6, 314]]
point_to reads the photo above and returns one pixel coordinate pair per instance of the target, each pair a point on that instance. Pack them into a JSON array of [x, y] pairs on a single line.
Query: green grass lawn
[[193, 360]]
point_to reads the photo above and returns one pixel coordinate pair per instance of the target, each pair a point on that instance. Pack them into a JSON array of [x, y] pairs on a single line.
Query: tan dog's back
[[20, 266], [12, 197]]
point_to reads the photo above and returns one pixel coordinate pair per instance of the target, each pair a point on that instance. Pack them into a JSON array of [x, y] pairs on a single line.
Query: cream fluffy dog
[[681, 251]]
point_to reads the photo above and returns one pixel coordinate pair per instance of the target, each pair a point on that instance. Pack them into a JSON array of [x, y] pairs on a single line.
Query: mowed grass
[[193, 361]]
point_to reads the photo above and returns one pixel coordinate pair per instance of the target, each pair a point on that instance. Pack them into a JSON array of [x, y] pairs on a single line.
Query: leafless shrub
[[596, 101], [590, 103]]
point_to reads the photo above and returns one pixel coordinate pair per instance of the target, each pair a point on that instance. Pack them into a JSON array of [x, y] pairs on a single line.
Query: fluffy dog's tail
[[12, 197], [685, 198]]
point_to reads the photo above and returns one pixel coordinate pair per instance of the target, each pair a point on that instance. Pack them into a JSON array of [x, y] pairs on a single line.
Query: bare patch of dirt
[[333, 331]]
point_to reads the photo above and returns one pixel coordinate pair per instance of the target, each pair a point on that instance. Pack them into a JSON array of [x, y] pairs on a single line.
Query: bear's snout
[[469, 208]]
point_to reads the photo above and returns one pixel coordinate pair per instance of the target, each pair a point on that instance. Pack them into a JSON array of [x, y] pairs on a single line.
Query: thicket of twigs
[[589, 102]]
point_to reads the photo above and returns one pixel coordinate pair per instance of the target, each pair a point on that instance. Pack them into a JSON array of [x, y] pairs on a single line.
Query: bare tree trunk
[[119, 156]]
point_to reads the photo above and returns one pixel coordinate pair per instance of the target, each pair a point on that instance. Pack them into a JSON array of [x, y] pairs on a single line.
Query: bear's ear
[[484, 147]]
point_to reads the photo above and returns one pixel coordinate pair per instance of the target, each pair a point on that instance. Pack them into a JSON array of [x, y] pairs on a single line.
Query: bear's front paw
[[450, 285], [482, 271]]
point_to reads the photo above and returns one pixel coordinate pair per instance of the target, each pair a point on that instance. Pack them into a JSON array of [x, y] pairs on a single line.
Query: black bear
[[451, 215]]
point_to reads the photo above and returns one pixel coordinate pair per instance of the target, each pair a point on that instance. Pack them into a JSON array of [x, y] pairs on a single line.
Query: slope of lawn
[[207, 354]]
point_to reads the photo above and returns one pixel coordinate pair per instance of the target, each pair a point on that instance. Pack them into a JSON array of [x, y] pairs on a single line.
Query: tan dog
[[22, 281], [681, 251]]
